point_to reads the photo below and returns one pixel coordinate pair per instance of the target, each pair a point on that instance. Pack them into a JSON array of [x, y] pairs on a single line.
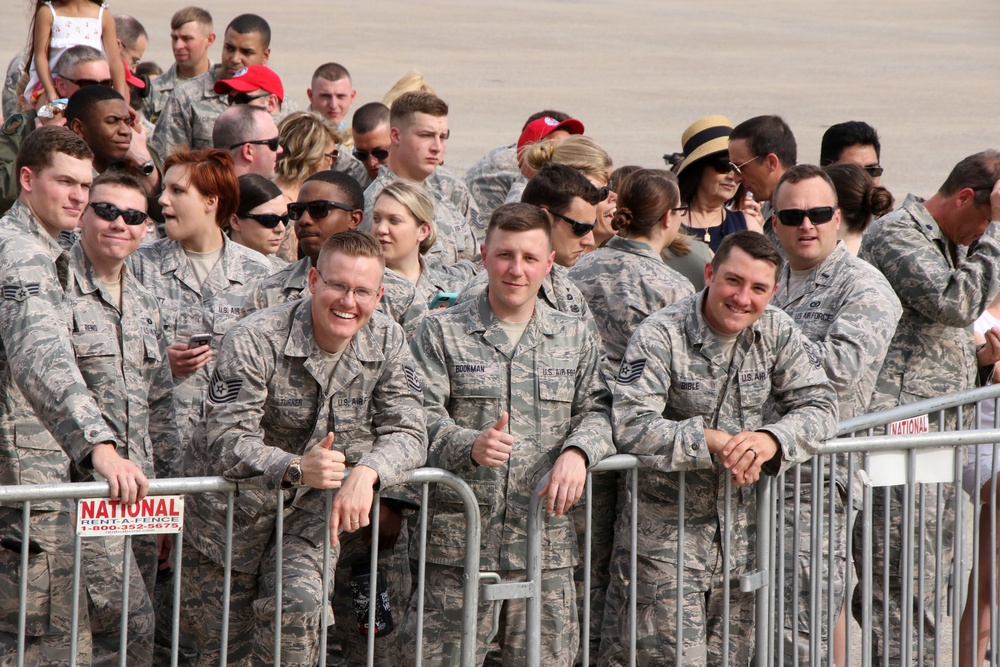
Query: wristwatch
[[295, 472], [147, 168]]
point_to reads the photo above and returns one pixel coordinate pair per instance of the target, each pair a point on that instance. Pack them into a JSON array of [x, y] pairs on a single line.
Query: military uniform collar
[[631, 246], [213, 75], [20, 217], [925, 221], [298, 274], [824, 273], [483, 321], [89, 282], [176, 261]]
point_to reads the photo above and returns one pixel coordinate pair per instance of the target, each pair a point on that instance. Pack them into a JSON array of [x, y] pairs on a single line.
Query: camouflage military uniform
[[848, 312], [675, 382], [550, 385], [943, 289], [557, 292], [432, 281], [14, 69], [189, 114], [453, 189], [489, 180], [270, 401], [13, 133], [165, 270], [400, 301], [624, 283], [350, 165], [456, 239], [122, 356], [516, 190], [161, 88], [37, 359]]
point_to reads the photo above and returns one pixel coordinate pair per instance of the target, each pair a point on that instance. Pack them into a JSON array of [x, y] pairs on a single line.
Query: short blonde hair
[[416, 200], [304, 136], [578, 151]]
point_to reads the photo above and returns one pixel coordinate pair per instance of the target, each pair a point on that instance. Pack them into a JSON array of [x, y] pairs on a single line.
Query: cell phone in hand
[[197, 340], [443, 299]]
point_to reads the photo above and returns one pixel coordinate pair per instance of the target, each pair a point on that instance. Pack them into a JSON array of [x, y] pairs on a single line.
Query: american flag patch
[[20, 292], [412, 379], [630, 371], [224, 391]]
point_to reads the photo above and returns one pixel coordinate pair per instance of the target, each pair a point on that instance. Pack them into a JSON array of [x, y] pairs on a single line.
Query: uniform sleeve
[[919, 273], [173, 128], [234, 410], [398, 418], [640, 401], [590, 429], [36, 339], [450, 445], [859, 336], [804, 399], [404, 307], [168, 451]]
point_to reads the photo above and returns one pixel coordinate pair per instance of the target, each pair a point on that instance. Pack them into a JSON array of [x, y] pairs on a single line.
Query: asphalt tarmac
[[638, 72]]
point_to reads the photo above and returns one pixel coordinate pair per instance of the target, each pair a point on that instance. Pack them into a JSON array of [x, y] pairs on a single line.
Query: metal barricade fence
[[910, 544], [25, 495]]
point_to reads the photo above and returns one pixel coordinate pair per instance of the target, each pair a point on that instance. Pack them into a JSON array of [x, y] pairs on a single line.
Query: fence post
[[764, 543]]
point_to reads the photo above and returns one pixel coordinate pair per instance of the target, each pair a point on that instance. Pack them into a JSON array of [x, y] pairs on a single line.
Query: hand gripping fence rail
[[916, 636], [27, 494]]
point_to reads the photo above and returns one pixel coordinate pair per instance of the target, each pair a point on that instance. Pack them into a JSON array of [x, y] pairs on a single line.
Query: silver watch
[[295, 471]]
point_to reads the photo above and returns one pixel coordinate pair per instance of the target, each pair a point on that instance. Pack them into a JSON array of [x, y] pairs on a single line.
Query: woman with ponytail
[[859, 199]]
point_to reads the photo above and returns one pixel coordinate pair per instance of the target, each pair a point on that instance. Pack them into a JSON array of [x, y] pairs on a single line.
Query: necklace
[[707, 238]]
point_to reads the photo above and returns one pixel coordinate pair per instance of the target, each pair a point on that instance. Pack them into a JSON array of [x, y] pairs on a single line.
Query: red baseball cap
[[255, 77], [540, 128], [130, 77]]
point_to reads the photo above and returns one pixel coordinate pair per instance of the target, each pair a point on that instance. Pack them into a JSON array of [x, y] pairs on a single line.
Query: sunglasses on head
[[110, 212], [723, 165], [379, 153], [579, 228], [319, 208], [245, 98], [84, 83], [271, 143], [269, 220], [794, 217], [874, 170]]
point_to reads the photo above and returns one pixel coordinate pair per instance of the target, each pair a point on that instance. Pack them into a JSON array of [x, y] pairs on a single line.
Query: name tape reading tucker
[[153, 514]]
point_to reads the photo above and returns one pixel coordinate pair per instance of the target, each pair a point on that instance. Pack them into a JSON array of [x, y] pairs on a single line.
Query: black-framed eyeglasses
[[273, 143], [246, 98], [332, 155], [680, 209], [84, 83], [110, 212], [579, 228], [723, 165], [794, 217], [984, 188], [269, 220], [605, 191], [379, 153], [360, 294], [874, 170], [318, 208]]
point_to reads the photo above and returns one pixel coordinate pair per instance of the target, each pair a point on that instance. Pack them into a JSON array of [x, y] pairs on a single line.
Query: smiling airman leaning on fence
[[51, 429], [690, 397]]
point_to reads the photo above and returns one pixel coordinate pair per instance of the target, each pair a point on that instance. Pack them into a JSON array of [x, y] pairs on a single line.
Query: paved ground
[[637, 72]]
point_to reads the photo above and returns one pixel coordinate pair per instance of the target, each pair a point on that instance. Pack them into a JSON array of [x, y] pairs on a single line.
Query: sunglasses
[[604, 192], [245, 98], [84, 83], [379, 153], [110, 212], [318, 209], [723, 165], [273, 143], [579, 228], [269, 220], [794, 217], [874, 170]]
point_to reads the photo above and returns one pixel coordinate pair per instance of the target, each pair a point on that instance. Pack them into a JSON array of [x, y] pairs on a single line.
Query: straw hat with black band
[[705, 137]]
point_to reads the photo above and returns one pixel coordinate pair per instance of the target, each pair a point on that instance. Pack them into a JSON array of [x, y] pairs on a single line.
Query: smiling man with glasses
[[849, 314], [763, 148]]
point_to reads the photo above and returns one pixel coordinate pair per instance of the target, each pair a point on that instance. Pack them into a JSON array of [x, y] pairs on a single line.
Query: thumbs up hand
[[494, 445], [323, 467]]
